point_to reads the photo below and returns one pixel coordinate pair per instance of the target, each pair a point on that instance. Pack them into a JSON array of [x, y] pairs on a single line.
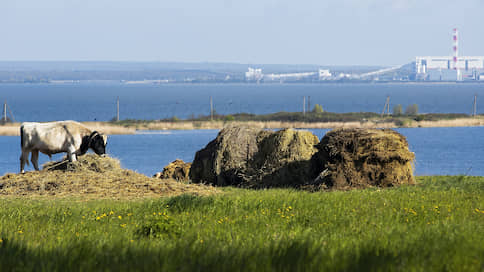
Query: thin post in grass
[[386, 107], [211, 109], [117, 109], [4, 118], [304, 105], [474, 108]]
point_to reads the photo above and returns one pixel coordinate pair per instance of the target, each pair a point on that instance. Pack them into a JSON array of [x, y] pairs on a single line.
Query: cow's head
[[98, 142]]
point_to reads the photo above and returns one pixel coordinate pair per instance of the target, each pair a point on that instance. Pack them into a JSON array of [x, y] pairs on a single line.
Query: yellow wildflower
[[120, 217]]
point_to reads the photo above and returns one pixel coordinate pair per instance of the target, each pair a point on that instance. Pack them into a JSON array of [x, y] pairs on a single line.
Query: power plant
[[425, 68], [459, 64]]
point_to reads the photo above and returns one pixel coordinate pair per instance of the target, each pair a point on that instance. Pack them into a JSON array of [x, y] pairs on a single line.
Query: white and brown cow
[[56, 137]]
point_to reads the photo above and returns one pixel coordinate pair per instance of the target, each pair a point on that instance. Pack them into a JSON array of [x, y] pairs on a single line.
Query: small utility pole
[[474, 109], [304, 105], [117, 109], [211, 109], [386, 107], [4, 118]]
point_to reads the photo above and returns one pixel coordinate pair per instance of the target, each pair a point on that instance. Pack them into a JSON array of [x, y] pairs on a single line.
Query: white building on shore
[[254, 74], [324, 74]]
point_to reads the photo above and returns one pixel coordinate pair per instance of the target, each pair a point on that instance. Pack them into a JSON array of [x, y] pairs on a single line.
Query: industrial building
[[425, 68], [471, 66]]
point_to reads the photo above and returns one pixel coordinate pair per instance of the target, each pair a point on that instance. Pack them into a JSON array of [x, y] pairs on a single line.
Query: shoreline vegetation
[[310, 120]]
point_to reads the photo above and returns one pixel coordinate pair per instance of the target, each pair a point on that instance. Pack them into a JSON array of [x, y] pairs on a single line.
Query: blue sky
[[324, 32]]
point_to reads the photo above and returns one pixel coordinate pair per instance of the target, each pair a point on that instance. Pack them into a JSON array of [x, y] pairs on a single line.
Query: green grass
[[437, 225]]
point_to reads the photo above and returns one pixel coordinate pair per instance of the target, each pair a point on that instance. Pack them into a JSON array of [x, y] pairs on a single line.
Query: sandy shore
[[110, 129]]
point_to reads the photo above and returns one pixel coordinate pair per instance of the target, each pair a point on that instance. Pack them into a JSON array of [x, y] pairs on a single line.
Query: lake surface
[[439, 151], [89, 101]]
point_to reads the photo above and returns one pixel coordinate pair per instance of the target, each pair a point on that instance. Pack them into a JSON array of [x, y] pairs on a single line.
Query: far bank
[[132, 126]]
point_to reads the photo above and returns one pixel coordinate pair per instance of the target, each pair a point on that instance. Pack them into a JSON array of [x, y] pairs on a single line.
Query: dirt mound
[[251, 157], [177, 170], [359, 158], [92, 177]]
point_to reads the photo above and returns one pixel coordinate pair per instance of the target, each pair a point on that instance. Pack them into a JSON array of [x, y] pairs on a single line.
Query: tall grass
[[434, 226]]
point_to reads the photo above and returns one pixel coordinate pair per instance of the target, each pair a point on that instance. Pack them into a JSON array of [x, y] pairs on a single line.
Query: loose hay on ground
[[93, 177]]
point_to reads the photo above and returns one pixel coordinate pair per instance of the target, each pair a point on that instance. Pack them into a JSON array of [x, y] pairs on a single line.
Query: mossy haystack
[[284, 159], [360, 158], [177, 170], [225, 160], [93, 177], [250, 157]]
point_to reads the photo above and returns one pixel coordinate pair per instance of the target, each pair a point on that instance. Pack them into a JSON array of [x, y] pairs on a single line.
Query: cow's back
[[52, 137]]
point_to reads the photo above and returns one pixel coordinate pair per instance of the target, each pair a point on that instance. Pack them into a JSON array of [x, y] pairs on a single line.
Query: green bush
[[229, 118], [411, 109], [318, 109], [397, 110]]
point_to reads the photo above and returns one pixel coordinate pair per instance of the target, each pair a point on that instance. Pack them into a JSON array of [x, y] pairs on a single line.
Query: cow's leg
[[24, 157], [35, 159], [71, 154]]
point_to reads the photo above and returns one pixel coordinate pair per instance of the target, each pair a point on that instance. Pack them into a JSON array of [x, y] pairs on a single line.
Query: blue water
[[439, 151], [89, 101]]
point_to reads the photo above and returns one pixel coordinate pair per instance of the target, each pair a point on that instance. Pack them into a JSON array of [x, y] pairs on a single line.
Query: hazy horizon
[[329, 33]]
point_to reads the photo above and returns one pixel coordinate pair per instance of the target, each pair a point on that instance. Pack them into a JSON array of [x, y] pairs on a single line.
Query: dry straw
[[93, 177]]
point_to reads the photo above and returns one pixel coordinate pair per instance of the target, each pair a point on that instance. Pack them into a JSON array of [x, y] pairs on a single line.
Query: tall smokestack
[[455, 48]]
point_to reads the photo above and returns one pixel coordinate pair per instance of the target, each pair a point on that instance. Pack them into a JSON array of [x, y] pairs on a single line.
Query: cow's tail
[[22, 144], [21, 136]]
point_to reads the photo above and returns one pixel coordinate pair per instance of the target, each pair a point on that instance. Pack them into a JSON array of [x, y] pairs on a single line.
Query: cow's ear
[[85, 144]]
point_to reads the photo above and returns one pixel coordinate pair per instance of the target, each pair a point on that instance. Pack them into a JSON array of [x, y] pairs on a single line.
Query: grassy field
[[437, 225]]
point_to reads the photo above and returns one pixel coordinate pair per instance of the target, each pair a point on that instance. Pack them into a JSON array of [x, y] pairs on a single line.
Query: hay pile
[[284, 159], [225, 159], [177, 170], [88, 162], [360, 158], [92, 177], [255, 158]]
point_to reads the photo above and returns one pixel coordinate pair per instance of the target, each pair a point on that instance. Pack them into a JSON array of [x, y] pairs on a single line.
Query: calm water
[[87, 102], [439, 151], [442, 151]]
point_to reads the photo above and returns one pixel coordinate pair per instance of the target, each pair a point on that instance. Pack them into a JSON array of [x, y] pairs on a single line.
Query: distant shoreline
[[168, 82], [12, 129]]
